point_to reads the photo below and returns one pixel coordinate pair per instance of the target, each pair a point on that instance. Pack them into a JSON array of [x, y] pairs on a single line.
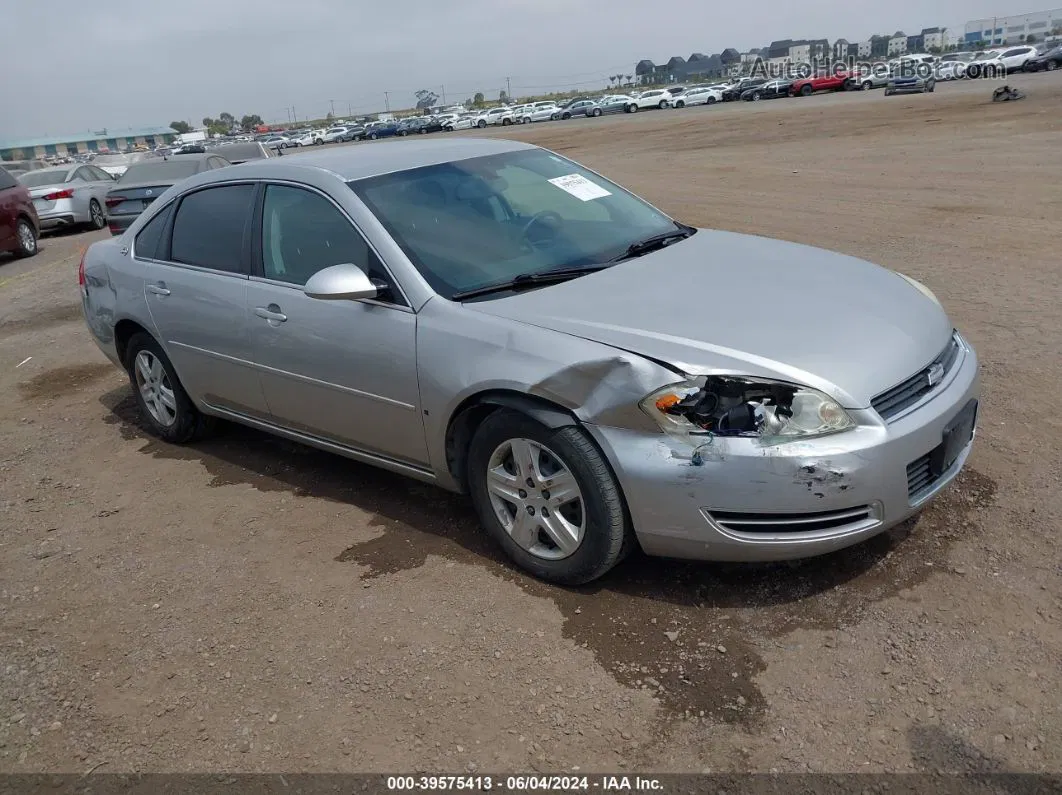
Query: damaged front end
[[773, 412]]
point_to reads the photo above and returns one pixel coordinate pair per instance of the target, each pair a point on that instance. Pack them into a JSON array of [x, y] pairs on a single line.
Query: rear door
[[196, 290]]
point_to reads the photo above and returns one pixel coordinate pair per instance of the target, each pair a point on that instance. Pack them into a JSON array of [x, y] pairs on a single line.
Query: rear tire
[[663, 104], [481, 124], [186, 422], [806, 91], [595, 112], [1051, 66], [602, 514], [97, 220], [867, 85], [711, 101], [931, 85], [26, 238], [632, 108]]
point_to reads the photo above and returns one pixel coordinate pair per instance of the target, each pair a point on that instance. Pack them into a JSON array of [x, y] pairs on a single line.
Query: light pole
[[508, 89], [387, 101], [333, 104]]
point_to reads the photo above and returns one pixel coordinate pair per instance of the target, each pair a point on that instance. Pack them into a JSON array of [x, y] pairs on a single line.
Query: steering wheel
[[538, 218]]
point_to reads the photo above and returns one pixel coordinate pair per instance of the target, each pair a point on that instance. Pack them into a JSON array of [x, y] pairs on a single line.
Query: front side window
[[303, 232], [482, 221], [210, 226]]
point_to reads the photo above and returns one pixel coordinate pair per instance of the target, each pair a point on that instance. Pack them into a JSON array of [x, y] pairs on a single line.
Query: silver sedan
[[493, 318], [69, 195]]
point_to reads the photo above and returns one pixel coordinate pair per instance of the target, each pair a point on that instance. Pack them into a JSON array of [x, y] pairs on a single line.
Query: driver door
[[340, 370]]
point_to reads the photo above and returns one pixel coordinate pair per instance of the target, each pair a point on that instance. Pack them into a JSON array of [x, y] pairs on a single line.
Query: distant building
[[916, 43], [1013, 29], [934, 38], [863, 49], [99, 141], [840, 49], [897, 44]]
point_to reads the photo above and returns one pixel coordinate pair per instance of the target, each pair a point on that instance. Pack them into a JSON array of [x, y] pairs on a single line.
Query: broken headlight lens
[[733, 406]]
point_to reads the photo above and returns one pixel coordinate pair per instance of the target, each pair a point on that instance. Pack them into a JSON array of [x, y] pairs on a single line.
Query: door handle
[[271, 312], [158, 289]]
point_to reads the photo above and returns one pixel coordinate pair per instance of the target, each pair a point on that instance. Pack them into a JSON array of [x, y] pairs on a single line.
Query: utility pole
[[508, 89], [333, 103], [350, 112], [387, 101], [443, 94], [293, 116]]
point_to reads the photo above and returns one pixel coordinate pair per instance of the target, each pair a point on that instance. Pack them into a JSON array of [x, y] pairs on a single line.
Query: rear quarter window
[[148, 240]]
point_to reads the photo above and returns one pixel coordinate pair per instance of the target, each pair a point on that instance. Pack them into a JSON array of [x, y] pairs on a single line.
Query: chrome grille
[[819, 521], [905, 394]]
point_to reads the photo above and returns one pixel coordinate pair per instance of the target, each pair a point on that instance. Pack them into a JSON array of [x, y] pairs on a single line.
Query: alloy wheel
[[536, 499], [96, 215], [154, 385], [27, 240]]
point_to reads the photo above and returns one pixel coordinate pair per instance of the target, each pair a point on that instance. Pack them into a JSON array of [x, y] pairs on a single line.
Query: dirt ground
[[246, 604]]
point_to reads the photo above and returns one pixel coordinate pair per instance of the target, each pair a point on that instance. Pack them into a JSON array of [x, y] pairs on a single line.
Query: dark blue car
[[383, 130]]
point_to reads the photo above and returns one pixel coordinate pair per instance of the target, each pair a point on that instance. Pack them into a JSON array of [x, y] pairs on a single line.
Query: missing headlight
[[731, 406], [735, 406]]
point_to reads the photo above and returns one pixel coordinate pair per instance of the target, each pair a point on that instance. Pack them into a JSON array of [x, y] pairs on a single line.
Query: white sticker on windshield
[[580, 187]]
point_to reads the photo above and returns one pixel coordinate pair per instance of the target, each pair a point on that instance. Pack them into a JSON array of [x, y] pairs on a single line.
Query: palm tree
[[629, 79]]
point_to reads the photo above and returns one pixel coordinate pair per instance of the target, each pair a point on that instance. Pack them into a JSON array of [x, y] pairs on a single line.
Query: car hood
[[728, 303]]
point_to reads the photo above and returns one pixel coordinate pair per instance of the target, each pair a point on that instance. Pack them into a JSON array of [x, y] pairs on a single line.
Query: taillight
[[81, 271], [114, 201], [59, 194]]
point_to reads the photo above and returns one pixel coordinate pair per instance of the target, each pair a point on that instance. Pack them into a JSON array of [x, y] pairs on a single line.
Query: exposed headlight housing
[[920, 287], [771, 411]]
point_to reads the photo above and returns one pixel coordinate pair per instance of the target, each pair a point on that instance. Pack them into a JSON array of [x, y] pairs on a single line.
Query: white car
[[656, 98], [500, 115], [467, 121], [333, 134], [953, 65], [310, 138], [702, 95], [1013, 59], [447, 119]]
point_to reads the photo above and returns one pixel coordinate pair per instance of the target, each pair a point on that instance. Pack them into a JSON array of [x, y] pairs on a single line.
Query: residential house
[[780, 49], [840, 49], [863, 48], [854, 49], [897, 44]]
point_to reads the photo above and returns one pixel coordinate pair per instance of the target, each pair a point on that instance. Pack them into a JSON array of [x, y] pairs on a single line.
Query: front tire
[[711, 101], [165, 407], [680, 104], [481, 124], [805, 91], [931, 84], [1051, 66], [25, 239], [632, 108], [867, 85], [548, 497], [596, 112]]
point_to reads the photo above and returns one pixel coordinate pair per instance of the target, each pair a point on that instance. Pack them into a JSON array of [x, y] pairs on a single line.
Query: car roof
[[384, 157], [50, 169]]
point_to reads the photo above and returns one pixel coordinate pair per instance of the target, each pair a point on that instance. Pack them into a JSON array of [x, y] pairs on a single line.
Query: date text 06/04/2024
[[533, 783]]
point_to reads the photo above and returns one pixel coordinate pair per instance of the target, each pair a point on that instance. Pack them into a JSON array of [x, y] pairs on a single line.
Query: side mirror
[[340, 282]]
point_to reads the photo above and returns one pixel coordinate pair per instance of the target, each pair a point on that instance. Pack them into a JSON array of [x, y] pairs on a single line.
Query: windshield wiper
[[655, 242], [524, 280]]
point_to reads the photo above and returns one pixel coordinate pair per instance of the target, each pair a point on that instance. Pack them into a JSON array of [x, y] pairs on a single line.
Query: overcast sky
[[76, 65]]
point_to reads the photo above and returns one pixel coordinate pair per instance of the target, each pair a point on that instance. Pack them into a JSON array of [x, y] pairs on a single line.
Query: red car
[[831, 81], [19, 225]]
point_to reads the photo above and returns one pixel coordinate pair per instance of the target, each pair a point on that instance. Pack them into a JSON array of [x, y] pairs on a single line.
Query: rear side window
[[6, 180], [210, 228], [148, 239]]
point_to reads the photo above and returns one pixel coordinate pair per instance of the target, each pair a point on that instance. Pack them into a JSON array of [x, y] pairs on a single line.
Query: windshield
[[162, 170], [482, 221], [38, 179]]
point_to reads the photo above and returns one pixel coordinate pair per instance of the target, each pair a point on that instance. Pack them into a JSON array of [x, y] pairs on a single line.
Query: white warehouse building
[[1013, 29]]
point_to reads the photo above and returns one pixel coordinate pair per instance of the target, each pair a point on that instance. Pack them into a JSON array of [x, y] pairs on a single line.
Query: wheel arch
[[473, 410], [124, 330]]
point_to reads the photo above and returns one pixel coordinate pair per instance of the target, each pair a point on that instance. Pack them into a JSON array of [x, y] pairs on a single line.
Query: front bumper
[[750, 502]]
